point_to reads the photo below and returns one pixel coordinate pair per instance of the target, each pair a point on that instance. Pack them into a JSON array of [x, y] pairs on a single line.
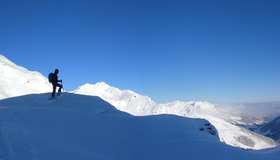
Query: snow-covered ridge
[[124, 100], [16, 80], [136, 104]]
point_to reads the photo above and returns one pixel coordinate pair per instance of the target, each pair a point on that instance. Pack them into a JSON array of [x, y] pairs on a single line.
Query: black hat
[[56, 71]]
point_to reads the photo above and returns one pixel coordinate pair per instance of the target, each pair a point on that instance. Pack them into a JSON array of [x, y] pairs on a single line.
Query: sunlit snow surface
[[86, 127], [139, 105]]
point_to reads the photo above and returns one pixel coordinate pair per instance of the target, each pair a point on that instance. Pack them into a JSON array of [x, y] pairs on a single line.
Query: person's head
[[56, 71]]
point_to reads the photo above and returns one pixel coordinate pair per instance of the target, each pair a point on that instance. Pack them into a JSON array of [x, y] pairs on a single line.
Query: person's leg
[[60, 87], [54, 89]]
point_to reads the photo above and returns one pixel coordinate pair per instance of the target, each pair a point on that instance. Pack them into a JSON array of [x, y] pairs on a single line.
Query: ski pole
[[62, 86]]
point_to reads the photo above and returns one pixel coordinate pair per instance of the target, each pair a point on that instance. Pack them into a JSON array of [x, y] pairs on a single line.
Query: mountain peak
[[103, 85], [124, 100], [16, 80]]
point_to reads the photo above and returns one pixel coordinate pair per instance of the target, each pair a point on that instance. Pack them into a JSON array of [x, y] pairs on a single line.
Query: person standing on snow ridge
[[54, 81]]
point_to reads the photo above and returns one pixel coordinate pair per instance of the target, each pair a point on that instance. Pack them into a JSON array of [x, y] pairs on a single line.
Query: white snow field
[[86, 127], [105, 123]]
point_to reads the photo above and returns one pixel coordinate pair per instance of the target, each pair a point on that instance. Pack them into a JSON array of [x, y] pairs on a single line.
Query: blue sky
[[218, 51]]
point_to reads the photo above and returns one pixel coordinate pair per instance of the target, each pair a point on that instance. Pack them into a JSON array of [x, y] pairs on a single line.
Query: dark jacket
[[55, 79]]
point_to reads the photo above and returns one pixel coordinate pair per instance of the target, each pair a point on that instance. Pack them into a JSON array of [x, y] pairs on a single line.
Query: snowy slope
[[136, 104], [272, 129], [86, 127], [16, 80], [229, 133]]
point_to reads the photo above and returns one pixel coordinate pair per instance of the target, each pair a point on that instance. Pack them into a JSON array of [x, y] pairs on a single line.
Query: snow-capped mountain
[[133, 103], [16, 80], [272, 129], [124, 100]]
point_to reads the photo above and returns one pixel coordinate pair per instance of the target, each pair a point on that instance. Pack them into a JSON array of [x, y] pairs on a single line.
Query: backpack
[[51, 77]]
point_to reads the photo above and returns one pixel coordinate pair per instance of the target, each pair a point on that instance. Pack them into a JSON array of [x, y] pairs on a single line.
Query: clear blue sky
[[218, 51]]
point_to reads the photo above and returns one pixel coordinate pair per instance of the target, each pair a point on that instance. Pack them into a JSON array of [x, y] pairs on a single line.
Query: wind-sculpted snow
[[135, 104]]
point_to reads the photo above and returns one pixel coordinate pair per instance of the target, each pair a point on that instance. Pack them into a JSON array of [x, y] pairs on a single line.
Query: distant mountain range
[[139, 105]]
